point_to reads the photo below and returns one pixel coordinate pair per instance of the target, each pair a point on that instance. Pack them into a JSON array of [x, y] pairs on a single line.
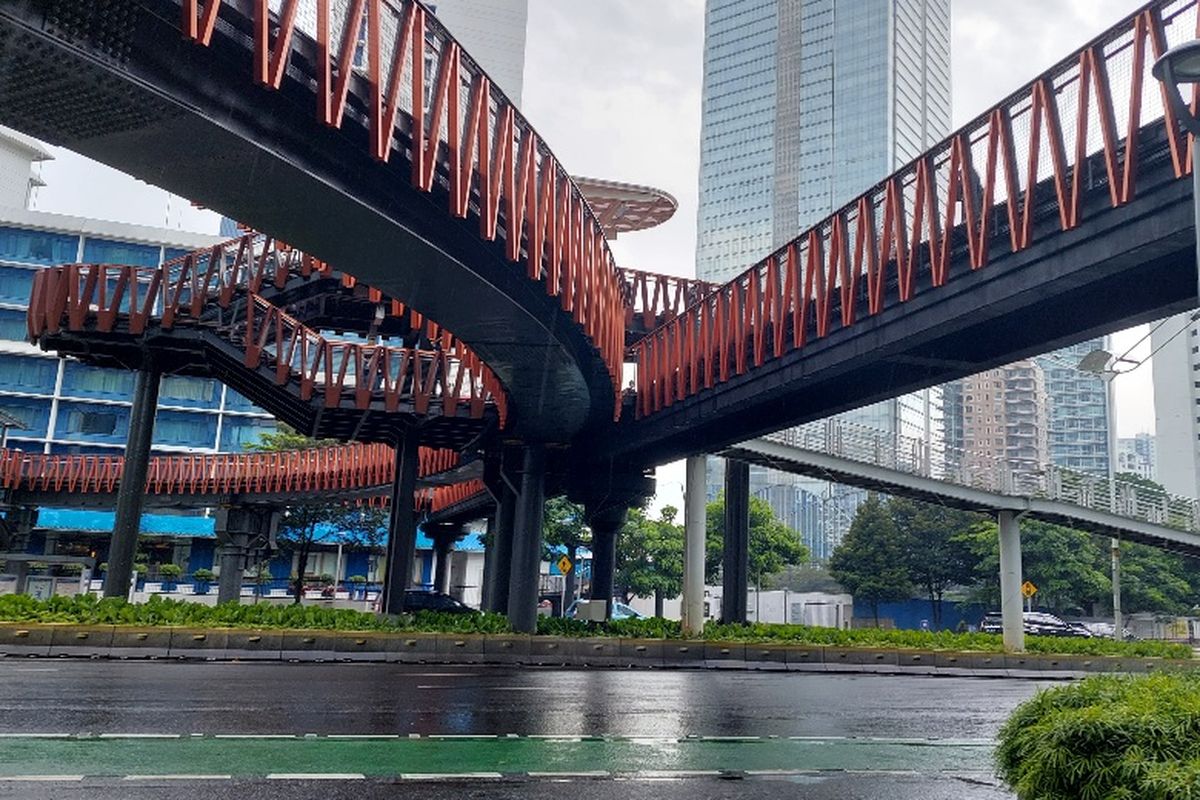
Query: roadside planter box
[[459, 647], [361, 646], [307, 646], [81, 641], [503, 649], [642, 652], [253, 645], [549, 650], [198, 643], [412, 648], [683, 654], [131, 642], [17, 639]]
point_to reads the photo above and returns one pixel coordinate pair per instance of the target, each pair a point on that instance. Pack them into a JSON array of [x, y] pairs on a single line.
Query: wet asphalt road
[[859, 723], [269, 698]]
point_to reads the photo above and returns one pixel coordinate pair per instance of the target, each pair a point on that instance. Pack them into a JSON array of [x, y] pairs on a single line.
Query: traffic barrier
[[683, 654], [128, 642], [549, 651], [308, 646], [459, 648], [202, 644], [1022, 662], [642, 652], [412, 648], [25, 640], [92, 641], [725, 655], [507, 649], [253, 645], [805, 659], [596, 652], [922, 662], [766, 656], [361, 646]]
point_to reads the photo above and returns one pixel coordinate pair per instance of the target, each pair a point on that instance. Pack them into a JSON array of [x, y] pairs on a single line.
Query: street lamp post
[[1180, 66]]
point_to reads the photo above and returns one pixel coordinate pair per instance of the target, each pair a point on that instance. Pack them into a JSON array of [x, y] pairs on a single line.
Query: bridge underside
[[118, 83], [822, 466], [1120, 267]]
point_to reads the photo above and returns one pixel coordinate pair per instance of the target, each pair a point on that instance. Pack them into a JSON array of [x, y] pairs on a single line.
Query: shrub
[[1106, 737], [170, 570], [358, 580], [204, 575]]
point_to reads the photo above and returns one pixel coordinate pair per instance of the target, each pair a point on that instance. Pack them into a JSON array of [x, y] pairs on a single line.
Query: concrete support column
[[695, 524], [735, 564], [527, 542], [132, 488], [402, 525], [1010, 582], [606, 524], [502, 543]]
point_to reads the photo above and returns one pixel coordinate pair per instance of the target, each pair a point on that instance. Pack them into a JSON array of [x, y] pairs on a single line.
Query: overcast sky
[[614, 87]]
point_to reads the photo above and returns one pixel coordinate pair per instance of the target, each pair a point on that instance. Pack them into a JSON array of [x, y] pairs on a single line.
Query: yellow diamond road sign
[[564, 565], [1028, 589]]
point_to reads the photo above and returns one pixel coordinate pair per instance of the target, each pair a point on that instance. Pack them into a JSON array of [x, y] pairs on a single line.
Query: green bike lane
[[479, 756]]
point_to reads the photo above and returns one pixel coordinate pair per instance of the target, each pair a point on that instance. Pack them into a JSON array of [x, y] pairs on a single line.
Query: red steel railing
[[319, 470], [904, 226], [652, 299], [456, 125], [78, 297]]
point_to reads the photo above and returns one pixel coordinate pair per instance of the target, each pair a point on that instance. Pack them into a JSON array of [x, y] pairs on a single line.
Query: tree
[[870, 561], [563, 526], [301, 526], [773, 545], [935, 554], [650, 556]]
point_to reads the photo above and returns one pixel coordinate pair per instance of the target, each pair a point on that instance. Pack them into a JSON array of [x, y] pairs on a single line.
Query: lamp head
[[1180, 64]]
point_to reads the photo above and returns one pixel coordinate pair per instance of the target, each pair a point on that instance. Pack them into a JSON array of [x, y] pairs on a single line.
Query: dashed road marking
[[42, 778], [316, 776], [178, 777], [450, 776]]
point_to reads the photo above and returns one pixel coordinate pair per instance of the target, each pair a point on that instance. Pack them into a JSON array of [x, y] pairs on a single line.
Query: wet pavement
[[246, 730]]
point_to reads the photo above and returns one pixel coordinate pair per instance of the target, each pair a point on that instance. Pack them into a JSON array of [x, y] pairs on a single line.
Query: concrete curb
[[237, 644]]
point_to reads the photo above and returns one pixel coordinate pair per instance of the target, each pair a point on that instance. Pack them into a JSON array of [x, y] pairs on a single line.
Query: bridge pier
[[605, 523], [132, 489], [240, 532], [1010, 582], [695, 525], [500, 570], [735, 563], [402, 524], [444, 535], [524, 581]]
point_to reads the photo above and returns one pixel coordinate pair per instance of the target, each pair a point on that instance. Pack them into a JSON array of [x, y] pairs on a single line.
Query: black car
[[417, 600], [1036, 623]]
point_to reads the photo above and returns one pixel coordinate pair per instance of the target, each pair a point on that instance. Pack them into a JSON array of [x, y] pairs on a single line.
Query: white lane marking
[[179, 777], [553, 737], [42, 778], [441, 674], [667, 774], [599, 773], [141, 735], [450, 776], [363, 736], [646, 740], [255, 736], [36, 735], [33, 669], [316, 776], [464, 736]]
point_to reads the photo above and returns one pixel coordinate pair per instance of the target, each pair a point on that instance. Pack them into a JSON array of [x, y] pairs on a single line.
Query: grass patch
[[1106, 737], [88, 610]]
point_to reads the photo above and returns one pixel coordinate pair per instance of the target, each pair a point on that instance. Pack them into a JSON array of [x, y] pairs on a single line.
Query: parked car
[[619, 611], [420, 600], [1036, 623]]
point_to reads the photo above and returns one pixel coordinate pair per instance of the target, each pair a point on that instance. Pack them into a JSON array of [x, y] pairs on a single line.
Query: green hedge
[[1116, 738], [88, 610]]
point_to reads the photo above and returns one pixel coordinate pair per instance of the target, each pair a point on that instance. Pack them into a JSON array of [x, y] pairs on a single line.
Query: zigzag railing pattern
[[461, 131], [78, 297], [652, 299], [1076, 126]]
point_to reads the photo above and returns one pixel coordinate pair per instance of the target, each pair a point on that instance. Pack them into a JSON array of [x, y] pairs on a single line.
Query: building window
[[37, 247], [103, 251], [99, 423]]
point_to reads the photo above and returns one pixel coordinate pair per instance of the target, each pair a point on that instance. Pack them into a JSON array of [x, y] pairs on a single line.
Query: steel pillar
[[524, 581], [402, 525], [1010, 582], [695, 525], [240, 532], [503, 544], [735, 563], [132, 489], [605, 524], [489, 564], [444, 536]]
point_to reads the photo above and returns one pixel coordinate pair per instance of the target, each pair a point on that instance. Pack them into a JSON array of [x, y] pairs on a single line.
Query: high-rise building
[[1005, 424], [1176, 363], [1079, 413], [1136, 455], [806, 104], [493, 32]]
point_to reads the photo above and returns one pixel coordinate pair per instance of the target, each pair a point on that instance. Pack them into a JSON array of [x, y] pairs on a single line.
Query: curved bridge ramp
[[361, 132]]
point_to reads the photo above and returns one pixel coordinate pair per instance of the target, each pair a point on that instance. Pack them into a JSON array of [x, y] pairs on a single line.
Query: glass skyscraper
[[806, 104]]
